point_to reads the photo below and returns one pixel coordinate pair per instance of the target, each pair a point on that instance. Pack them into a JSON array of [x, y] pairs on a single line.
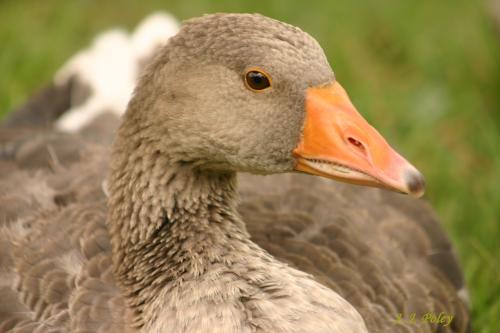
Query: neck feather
[[167, 219]]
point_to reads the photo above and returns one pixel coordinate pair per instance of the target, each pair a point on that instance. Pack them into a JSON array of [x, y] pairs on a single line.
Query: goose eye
[[257, 80]]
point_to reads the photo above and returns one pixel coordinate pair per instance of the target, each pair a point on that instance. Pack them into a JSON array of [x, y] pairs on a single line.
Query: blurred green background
[[425, 73]]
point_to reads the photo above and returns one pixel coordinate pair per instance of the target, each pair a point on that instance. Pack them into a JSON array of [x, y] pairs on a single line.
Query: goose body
[[173, 248]]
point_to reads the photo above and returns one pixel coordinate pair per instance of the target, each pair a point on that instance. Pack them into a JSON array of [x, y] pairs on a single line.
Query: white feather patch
[[110, 68]]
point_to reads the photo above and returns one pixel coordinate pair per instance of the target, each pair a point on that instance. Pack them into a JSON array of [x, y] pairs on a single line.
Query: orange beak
[[337, 142]]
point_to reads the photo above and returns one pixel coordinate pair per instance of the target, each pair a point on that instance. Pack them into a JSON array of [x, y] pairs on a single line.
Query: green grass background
[[426, 73]]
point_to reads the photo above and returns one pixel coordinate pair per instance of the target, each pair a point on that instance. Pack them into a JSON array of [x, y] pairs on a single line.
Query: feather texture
[[384, 253]]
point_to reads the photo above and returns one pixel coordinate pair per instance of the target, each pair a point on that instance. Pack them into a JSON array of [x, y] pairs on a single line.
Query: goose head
[[240, 92]]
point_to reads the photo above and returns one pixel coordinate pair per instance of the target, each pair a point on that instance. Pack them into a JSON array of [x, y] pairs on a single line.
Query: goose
[[171, 249]]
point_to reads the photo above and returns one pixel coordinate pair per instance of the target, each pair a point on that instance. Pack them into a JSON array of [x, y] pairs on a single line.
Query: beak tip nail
[[415, 183]]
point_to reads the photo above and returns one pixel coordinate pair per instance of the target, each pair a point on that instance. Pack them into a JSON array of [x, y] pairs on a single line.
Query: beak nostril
[[356, 143]]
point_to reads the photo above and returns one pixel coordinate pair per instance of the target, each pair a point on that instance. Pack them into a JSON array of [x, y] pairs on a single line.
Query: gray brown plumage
[[182, 255], [43, 107]]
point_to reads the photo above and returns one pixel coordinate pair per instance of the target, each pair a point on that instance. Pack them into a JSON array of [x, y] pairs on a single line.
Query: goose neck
[[169, 221]]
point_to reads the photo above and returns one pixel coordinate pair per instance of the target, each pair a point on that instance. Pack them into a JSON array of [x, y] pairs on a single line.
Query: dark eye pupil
[[256, 80]]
